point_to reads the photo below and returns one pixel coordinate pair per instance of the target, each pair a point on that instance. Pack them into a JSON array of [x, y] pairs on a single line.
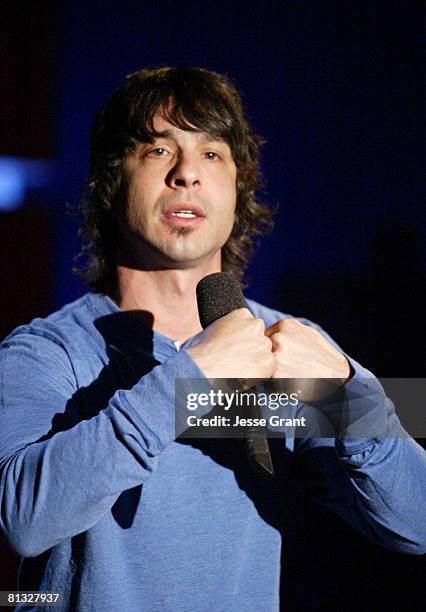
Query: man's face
[[179, 198]]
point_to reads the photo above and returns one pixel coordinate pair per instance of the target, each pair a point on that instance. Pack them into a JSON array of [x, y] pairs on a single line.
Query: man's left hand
[[302, 352]]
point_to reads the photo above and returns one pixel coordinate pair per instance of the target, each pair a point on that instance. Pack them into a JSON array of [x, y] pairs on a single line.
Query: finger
[[273, 329], [277, 342]]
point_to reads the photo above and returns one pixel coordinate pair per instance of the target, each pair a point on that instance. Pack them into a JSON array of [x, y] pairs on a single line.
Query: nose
[[185, 173]]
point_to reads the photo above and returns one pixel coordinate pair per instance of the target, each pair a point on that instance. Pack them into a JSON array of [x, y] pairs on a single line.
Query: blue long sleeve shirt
[[119, 515]]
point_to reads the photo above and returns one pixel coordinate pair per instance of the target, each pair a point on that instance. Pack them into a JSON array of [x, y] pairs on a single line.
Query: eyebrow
[[203, 136]]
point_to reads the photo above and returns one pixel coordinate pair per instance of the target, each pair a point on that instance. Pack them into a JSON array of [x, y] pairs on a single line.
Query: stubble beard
[[173, 258], [181, 231]]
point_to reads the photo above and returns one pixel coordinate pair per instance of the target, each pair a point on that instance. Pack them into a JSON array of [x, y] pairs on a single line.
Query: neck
[[164, 298]]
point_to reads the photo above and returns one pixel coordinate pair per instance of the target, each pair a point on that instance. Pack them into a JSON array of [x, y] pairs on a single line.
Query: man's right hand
[[234, 346]]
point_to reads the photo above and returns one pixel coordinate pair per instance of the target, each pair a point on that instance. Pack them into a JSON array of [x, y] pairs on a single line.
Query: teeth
[[185, 214]]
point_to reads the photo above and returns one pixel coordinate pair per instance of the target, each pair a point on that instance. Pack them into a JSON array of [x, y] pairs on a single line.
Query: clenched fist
[[302, 353], [234, 346]]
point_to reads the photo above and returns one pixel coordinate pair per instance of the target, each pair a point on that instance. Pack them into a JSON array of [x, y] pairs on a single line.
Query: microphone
[[218, 294]]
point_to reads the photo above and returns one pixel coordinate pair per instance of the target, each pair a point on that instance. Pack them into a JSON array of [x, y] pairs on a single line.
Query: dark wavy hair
[[188, 98]]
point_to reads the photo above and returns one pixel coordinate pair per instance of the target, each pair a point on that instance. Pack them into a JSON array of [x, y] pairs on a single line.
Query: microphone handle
[[257, 446], [217, 295]]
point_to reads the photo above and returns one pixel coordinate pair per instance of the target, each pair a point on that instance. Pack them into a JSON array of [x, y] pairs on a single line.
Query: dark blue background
[[334, 87]]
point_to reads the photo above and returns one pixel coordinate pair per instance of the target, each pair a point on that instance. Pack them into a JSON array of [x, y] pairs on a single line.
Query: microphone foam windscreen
[[217, 295]]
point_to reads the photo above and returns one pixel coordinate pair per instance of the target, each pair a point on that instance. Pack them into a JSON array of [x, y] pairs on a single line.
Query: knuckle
[[277, 339], [290, 323], [268, 342], [238, 313]]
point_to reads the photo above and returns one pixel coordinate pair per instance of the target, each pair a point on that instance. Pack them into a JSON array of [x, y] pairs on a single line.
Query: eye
[[157, 152], [211, 155]]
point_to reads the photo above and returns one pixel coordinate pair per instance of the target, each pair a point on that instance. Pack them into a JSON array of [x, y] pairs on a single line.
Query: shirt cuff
[[364, 417]]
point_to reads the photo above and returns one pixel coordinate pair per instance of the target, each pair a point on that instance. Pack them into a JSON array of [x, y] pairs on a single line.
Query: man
[[97, 496]]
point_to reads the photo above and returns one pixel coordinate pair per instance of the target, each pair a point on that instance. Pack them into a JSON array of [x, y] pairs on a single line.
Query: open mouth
[[184, 214], [187, 212]]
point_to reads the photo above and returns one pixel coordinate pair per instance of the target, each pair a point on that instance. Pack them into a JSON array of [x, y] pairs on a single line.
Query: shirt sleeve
[[372, 473], [56, 484]]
